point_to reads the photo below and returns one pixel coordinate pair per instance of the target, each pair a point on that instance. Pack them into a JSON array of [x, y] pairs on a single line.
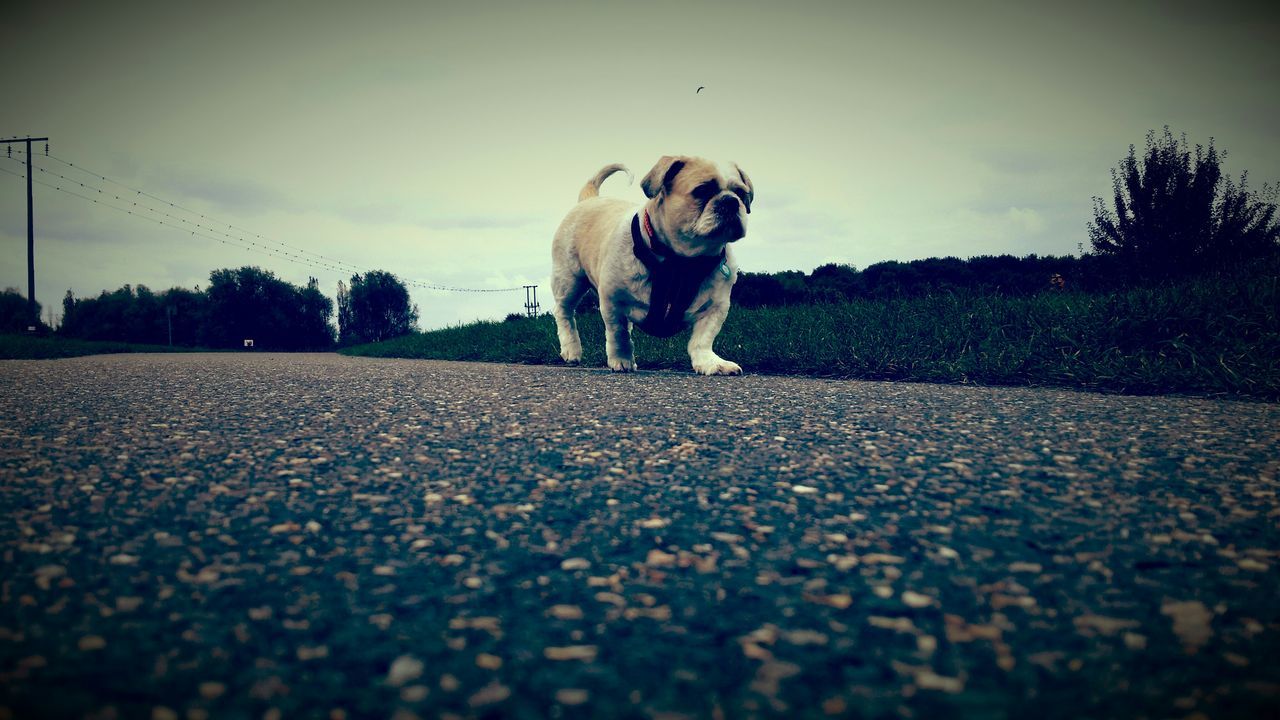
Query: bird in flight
[[695, 92]]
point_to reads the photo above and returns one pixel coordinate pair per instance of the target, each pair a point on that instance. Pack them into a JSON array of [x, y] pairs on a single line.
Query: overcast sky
[[444, 141]]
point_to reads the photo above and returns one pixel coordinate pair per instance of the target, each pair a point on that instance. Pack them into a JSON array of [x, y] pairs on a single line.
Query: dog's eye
[[706, 191]]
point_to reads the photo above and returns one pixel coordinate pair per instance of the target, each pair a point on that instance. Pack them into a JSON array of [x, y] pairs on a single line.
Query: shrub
[[1176, 213]]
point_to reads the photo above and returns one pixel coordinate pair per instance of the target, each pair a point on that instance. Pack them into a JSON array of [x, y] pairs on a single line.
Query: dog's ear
[[662, 175], [751, 190]]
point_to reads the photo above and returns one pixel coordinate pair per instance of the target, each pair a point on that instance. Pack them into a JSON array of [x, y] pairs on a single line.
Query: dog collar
[[674, 280], [656, 248]]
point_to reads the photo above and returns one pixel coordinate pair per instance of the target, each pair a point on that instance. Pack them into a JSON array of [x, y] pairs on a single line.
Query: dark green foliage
[[128, 315], [1004, 274], [1214, 334], [833, 283], [187, 311], [251, 303], [757, 290], [1175, 213], [375, 308], [13, 312], [248, 303]]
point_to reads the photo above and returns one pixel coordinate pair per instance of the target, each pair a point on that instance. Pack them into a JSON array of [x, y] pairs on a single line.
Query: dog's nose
[[728, 202]]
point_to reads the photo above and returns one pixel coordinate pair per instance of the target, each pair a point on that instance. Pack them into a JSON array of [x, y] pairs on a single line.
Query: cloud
[[478, 222], [1010, 229], [237, 195], [407, 214], [1017, 161], [1024, 221]]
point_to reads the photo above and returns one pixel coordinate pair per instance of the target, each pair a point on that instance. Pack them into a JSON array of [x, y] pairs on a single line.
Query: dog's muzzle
[[728, 211]]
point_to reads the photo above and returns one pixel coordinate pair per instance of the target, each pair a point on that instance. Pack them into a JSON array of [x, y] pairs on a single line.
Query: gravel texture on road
[[278, 536]]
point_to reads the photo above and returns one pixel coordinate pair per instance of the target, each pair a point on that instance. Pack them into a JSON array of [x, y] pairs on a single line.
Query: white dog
[[663, 265]]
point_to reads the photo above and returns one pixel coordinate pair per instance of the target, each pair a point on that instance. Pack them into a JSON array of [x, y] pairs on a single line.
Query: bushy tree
[[891, 279], [135, 315], [13, 312], [377, 307], [757, 290], [345, 319], [186, 312], [833, 283], [1176, 213], [313, 332], [252, 303], [109, 316]]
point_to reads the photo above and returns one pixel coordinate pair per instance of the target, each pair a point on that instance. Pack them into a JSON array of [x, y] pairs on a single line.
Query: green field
[[1210, 336], [27, 347]]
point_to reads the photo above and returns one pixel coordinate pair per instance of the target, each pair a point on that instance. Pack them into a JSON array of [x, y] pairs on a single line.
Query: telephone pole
[[531, 300], [32, 317]]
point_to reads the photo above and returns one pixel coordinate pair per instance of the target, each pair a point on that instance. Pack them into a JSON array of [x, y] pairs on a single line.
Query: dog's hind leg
[[567, 291]]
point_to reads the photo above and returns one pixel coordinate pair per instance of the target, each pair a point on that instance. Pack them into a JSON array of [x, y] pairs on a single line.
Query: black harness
[[674, 281]]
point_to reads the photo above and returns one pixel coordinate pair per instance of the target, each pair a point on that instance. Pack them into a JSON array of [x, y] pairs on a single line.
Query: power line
[[189, 210], [143, 206], [142, 215], [253, 247], [332, 264]]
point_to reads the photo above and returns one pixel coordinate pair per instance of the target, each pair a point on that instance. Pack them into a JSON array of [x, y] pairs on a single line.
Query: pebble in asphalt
[[266, 536]]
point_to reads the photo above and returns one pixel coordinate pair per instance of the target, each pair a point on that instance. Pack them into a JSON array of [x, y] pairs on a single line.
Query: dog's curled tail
[[592, 188]]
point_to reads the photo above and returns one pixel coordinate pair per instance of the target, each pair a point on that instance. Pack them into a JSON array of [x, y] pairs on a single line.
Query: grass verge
[[27, 347], [1209, 336]]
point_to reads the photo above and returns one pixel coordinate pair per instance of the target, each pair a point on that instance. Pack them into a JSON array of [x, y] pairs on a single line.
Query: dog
[[662, 266]]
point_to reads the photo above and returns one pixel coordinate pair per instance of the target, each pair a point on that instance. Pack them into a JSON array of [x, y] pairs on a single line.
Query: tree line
[[246, 303], [834, 283], [1173, 213]]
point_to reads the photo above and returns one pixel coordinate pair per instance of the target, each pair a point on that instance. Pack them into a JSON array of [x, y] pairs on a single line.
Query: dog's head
[[698, 206]]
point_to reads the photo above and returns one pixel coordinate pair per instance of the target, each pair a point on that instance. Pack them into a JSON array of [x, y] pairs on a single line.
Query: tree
[[345, 319], [313, 331], [891, 279], [185, 311], [110, 316], [135, 315], [833, 283], [1175, 212], [377, 308], [757, 290], [13, 312], [252, 303]]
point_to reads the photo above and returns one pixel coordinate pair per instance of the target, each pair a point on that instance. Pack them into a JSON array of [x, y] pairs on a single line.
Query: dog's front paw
[[716, 366], [572, 358], [622, 365]]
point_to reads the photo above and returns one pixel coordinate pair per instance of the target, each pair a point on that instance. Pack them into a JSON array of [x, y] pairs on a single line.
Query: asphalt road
[[279, 536]]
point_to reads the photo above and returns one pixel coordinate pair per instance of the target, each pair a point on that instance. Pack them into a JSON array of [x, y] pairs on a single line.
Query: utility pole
[[531, 300], [32, 317]]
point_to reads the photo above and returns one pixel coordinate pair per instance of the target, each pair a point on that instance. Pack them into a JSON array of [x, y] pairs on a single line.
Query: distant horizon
[[443, 142]]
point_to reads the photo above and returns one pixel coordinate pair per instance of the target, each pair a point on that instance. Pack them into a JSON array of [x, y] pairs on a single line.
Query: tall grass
[[1214, 335]]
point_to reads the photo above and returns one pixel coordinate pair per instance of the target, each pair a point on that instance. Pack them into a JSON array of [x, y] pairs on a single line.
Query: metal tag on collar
[[724, 269]]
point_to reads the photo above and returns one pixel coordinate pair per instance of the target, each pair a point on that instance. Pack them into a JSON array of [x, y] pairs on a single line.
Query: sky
[[444, 141]]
